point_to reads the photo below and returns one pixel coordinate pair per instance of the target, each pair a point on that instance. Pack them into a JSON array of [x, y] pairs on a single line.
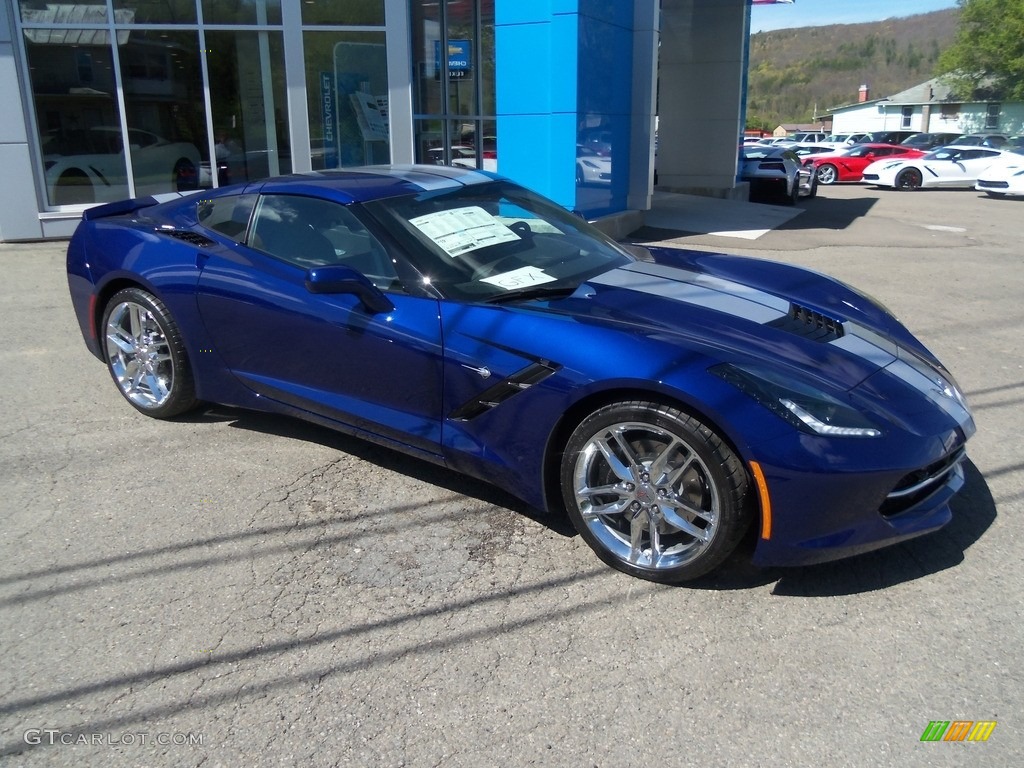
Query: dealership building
[[108, 99]]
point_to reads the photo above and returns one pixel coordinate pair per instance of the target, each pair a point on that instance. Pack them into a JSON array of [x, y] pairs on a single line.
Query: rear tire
[[827, 174], [146, 356]]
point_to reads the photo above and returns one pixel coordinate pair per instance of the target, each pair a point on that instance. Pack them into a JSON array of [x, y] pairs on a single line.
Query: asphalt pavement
[[235, 589]]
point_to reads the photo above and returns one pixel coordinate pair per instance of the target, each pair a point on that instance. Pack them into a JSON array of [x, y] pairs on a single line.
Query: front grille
[[870, 177], [809, 324], [920, 484], [994, 184]]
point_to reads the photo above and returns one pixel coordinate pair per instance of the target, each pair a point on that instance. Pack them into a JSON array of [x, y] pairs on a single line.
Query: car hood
[[748, 310]]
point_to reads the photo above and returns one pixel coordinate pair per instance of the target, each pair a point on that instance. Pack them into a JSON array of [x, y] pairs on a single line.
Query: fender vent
[[503, 390], [193, 238], [809, 324]]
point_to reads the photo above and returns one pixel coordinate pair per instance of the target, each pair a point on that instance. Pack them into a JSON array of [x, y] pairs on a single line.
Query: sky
[[814, 13]]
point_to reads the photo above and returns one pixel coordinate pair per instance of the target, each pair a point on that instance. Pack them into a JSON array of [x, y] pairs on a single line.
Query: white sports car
[[1005, 178], [89, 166], [952, 166]]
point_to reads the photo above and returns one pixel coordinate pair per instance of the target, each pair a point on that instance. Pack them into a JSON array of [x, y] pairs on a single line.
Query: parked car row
[[783, 174]]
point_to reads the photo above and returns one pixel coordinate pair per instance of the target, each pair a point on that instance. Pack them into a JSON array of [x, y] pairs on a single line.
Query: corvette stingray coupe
[[952, 166], [669, 401]]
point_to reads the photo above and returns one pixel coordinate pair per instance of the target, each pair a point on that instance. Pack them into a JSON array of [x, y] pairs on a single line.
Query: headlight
[[801, 405]]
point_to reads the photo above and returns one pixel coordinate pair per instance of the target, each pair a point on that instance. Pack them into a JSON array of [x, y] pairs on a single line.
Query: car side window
[[227, 215], [311, 232]]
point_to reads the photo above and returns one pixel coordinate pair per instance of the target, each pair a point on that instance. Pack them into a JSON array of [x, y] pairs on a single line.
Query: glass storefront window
[[454, 92], [343, 12], [347, 98], [247, 94], [163, 96], [155, 11], [74, 91], [242, 11]]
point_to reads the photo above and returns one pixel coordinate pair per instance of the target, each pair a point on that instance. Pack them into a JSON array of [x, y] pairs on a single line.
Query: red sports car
[[849, 164]]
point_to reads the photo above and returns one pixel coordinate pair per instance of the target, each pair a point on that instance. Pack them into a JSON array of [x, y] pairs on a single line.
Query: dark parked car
[[888, 137], [926, 141], [993, 140]]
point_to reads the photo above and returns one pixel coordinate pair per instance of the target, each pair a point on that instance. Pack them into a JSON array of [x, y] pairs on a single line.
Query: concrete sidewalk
[[712, 216]]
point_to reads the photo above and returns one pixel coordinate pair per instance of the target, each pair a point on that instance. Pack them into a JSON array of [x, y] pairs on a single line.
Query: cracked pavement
[[292, 596]]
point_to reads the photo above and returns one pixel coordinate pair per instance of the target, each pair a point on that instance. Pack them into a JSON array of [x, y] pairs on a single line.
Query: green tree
[[989, 49]]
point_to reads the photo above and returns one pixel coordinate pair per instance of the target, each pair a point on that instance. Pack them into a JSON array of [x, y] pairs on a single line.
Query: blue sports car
[[667, 400]]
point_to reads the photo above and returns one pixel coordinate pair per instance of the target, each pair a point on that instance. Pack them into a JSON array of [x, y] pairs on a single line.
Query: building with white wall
[[930, 107]]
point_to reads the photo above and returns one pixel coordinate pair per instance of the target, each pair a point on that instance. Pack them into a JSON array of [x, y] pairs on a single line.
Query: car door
[[975, 161], [327, 354]]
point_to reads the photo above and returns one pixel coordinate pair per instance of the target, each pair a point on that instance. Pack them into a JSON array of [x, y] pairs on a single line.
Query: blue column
[[563, 71]]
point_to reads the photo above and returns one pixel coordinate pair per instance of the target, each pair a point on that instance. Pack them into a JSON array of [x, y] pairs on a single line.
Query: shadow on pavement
[[974, 511]]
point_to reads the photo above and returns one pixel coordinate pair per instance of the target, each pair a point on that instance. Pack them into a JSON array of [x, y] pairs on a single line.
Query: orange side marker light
[[766, 503]]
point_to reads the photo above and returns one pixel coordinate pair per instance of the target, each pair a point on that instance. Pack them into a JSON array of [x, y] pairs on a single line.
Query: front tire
[[73, 188], [146, 356], [654, 492], [909, 179]]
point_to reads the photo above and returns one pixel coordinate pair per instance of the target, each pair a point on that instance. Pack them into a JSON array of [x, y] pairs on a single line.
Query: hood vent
[[809, 324]]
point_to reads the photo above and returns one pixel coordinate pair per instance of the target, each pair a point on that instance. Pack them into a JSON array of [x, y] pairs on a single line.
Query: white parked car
[[592, 168], [844, 140], [952, 166], [89, 166], [1003, 178]]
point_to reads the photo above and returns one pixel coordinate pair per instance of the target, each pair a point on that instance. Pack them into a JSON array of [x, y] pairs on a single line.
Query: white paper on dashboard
[[463, 229], [519, 278]]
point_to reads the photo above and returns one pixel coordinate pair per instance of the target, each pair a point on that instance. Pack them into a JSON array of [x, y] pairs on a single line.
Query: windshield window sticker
[[461, 230], [523, 277]]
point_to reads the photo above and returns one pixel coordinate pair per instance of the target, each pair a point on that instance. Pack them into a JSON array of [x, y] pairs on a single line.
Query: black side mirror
[[341, 279]]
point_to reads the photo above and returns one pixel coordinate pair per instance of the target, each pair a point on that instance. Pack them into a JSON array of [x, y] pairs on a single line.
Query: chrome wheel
[[657, 495], [827, 174], [145, 355]]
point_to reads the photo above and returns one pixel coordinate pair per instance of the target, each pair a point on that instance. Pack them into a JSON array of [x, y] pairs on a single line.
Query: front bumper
[[822, 517]]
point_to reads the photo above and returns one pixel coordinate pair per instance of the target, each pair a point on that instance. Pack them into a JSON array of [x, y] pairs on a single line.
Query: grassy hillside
[[794, 71]]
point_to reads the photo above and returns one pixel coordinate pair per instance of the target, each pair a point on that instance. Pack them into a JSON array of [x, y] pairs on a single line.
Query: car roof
[[357, 185]]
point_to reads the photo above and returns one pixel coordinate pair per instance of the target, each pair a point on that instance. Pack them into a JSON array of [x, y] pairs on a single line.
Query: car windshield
[[496, 241]]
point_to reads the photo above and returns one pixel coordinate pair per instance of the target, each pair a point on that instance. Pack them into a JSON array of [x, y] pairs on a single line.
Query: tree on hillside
[[989, 49]]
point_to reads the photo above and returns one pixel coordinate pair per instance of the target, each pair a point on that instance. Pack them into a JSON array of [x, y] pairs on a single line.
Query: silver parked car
[[774, 172]]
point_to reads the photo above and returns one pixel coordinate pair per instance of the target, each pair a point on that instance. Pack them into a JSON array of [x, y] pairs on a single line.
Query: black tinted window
[[227, 215], [310, 232]]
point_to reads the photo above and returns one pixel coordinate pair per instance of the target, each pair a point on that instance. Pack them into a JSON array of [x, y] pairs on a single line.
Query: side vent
[[494, 396], [812, 325], [193, 238]]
